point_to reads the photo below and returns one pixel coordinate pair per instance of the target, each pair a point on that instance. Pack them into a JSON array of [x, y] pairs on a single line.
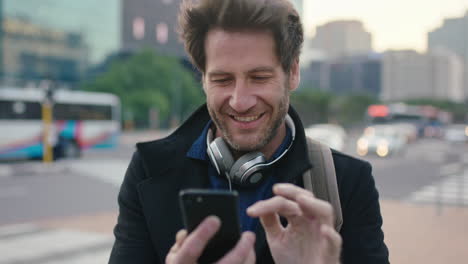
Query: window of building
[[162, 33], [138, 28]]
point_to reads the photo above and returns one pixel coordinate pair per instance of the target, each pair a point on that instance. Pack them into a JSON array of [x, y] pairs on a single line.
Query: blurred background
[[82, 81]]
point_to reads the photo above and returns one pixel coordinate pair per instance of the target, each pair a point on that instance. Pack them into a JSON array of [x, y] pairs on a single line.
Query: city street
[[65, 212]]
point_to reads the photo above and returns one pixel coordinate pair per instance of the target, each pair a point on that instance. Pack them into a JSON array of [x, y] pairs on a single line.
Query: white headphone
[[249, 168]]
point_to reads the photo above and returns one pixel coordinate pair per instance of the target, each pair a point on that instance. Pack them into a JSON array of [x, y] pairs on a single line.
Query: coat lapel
[[160, 200]]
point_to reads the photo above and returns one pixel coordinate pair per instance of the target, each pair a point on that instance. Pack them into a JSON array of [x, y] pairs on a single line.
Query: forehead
[[241, 49]]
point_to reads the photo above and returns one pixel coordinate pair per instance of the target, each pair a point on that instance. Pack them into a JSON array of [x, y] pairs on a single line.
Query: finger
[[181, 236], [277, 204], [290, 191], [196, 241], [251, 259], [333, 241], [272, 225], [315, 208], [242, 251]]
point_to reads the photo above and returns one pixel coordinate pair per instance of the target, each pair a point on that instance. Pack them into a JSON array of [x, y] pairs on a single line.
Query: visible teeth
[[246, 118]]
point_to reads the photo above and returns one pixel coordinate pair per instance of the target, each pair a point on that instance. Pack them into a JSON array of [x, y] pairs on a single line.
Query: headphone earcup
[[225, 161], [241, 166]]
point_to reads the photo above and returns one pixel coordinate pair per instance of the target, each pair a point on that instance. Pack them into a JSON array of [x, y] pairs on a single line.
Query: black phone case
[[197, 204]]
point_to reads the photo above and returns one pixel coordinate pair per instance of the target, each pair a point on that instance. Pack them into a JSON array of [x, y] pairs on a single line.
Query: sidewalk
[[418, 234], [414, 233]]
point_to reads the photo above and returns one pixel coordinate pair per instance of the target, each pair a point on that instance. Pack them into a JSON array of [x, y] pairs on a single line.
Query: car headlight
[[382, 148], [362, 146]]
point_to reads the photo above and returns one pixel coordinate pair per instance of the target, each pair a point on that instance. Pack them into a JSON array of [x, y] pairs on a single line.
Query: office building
[[358, 74], [33, 53], [412, 75], [342, 38], [154, 23], [452, 36], [97, 22], [151, 24]]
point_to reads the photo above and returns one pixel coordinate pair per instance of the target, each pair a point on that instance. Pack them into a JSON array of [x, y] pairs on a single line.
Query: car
[[456, 133], [332, 135], [408, 129], [382, 140]]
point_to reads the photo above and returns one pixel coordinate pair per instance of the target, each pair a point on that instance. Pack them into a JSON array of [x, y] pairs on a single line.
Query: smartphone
[[197, 204]]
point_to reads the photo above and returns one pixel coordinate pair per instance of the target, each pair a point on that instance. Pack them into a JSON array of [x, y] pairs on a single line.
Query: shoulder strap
[[321, 179]]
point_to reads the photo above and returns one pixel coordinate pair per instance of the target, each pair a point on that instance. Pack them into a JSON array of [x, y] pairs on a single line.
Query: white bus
[[82, 120]]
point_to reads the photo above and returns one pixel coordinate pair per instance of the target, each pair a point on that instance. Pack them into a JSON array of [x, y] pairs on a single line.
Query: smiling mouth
[[246, 118]]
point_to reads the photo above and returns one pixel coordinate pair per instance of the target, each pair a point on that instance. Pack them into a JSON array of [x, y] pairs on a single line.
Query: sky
[[394, 24]]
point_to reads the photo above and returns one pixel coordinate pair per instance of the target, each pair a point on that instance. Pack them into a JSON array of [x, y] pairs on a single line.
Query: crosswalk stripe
[[109, 171], [450, 169], [17, 230], [88, 258], [50, 245], [452, 190], [5, 171]]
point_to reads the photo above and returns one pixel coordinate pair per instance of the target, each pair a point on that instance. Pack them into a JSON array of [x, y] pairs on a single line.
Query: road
[[45, 209]]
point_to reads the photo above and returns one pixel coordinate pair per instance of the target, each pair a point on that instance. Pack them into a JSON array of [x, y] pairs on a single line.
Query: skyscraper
[[56, 39], [152, 24], [358, 74], [342, 38], [97, 22], [411, 75], [33, 53], [452, 36]]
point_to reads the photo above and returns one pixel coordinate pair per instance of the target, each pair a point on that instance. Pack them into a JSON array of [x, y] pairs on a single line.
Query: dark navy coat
[[150, 216]]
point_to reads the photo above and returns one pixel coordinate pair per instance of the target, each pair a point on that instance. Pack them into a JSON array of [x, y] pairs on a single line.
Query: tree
[[350, 109], [312, 105], [148, 81]]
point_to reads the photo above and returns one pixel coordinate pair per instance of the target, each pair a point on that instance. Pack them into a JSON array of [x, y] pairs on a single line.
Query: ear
[[294, 75]]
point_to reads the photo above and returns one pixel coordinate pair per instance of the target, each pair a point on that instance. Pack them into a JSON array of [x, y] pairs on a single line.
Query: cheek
[[216, 99]]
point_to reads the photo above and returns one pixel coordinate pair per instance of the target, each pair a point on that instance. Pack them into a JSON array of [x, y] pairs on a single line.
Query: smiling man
[[248, 54], [247, 90]]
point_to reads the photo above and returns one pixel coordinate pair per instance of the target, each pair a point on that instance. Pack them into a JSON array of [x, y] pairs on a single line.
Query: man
[[248, 54]]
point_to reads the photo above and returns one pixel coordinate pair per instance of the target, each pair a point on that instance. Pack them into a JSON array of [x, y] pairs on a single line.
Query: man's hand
[[309, 236], [188, 248]]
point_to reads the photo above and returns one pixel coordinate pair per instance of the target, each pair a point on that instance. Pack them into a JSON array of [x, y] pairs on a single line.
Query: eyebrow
[[262, 69], [255, 70], [217, 73]]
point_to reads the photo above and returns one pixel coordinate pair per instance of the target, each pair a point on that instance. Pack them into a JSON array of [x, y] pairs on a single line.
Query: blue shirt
[[247, 196]]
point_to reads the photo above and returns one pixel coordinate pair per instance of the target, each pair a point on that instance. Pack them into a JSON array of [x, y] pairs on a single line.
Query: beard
[[263, 137]]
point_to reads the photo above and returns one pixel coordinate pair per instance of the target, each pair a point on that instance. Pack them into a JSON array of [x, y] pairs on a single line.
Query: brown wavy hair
[[197, 17]]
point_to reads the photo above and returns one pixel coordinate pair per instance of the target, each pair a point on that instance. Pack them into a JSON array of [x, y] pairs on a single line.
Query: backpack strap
[[321, 179]]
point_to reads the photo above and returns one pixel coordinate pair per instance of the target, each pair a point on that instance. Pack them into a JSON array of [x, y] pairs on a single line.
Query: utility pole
[[2, 49], [47, 123]]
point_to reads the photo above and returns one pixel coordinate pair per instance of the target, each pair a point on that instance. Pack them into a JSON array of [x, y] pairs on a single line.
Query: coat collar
[[169, 170]]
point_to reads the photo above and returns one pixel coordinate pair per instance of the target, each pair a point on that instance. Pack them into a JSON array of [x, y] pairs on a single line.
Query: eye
[[221, 80], [261, 78]]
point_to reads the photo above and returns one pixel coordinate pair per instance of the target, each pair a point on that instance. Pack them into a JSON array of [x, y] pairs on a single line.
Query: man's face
[[247, 90]]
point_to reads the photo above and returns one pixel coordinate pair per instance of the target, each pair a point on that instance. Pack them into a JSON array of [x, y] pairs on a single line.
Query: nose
[[242, 98]]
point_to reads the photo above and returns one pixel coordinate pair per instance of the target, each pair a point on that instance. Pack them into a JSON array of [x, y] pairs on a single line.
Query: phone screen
[[197, 204]]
